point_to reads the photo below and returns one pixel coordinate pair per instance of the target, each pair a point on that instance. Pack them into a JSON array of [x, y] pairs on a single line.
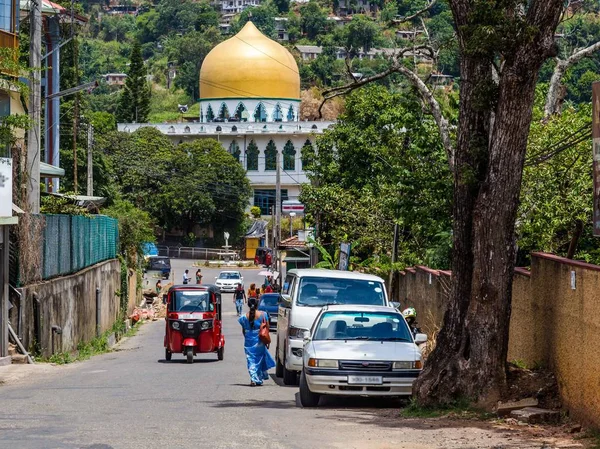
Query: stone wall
[[555, 322], [70, 302]]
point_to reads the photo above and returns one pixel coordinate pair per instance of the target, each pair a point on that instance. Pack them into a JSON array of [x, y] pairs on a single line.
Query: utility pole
[[35, 106], [90, 164], [394, 259], [277, 233]]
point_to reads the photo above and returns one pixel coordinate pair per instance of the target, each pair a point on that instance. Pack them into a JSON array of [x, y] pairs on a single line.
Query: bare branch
[[555, 92], [418, 13]]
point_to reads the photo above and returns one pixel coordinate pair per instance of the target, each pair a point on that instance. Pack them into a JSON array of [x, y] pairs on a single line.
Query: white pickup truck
[[304, 293]]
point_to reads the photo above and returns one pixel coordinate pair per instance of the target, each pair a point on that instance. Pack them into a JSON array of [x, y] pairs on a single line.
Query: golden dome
[[249, 65]]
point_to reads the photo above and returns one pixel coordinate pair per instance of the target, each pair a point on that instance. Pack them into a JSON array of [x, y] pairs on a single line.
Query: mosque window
[[223, 112], [234, 150], [260, 113], [186, 129], [278, 113], [210, 115], [234, 129], [219, 129], [271, 156], [171, 129], [241, 113], [252, 156], [314, 127], [307, 154], [289, 156], [290, 114]]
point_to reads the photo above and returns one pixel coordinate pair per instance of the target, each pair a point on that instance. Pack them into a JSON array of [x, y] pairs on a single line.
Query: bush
[[255, 211]]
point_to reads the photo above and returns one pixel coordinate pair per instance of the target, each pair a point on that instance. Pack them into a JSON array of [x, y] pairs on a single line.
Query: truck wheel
[[221, 352], [190, 354], [278, 365], [168, 355], [307, 397]]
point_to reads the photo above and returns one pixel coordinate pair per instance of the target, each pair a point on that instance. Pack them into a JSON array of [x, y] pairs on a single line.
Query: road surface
[[132, 398]]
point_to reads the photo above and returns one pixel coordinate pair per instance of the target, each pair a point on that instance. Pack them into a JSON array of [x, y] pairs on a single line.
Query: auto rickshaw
[[194, 321]]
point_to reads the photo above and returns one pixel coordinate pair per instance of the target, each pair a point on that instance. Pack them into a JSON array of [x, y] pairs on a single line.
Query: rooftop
[[292, 242], [335, 274]]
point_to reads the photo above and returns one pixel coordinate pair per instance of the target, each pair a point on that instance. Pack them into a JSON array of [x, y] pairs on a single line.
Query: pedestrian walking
[[199, 276], [258, 358], [186, 277], [252, 291], [239, 298], [158, 287]]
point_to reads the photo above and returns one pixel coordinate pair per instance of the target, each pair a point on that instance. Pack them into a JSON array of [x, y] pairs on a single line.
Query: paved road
[[132, 398]]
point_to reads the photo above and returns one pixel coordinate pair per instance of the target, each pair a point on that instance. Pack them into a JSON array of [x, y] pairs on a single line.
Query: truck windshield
[[321, 291], [191, 301], [362, 326]]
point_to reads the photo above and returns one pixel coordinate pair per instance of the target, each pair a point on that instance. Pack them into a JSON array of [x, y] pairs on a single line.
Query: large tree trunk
[[470, 356]]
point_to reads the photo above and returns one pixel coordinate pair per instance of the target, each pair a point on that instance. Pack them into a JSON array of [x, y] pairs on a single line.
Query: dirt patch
[[539, 384]]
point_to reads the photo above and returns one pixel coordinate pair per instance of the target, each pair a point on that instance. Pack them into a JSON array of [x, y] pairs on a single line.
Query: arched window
[[252, 156], [223, 112], [278, 113], [186, 129], [234, 150], [219, 129], [289, 156], [260, 113], [271, 156], [314, 127], [307, 154], [171, 129], [234, 129], [210, 115], [241, 113], [290, 114]]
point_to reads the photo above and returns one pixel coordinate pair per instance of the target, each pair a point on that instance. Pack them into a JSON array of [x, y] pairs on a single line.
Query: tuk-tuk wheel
[[221, 352], [190, 354], [168, 355]]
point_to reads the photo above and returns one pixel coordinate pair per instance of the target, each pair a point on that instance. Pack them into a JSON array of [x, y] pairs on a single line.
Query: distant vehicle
[[149, 249], [160, 263], [305, 292], [227, 281], [264, 256], [269, 302], [359, 351]]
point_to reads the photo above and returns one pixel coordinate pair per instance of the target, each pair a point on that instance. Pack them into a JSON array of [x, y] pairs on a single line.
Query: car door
[[283, 316]]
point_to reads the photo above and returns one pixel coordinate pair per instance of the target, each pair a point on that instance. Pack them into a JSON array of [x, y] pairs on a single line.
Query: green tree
[[313, 19], [134, 104], [361, 33], [262, 16]]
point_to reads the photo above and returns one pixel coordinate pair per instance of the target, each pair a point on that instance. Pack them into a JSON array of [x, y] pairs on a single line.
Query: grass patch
[[459, 409], [591, 434]]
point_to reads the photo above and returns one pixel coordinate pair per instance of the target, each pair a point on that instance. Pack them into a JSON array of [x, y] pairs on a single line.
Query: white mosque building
[[250, 102]]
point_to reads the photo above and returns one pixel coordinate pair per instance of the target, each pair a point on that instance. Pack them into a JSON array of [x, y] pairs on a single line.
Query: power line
[[266, 54]]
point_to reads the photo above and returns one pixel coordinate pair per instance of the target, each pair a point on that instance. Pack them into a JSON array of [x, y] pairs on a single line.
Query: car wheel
[[168, 355], [221, 353], [289, 377], [190, 354], [307, 397]]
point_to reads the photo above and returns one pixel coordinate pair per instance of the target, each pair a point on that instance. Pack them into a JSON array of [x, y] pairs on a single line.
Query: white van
[[304, 293]]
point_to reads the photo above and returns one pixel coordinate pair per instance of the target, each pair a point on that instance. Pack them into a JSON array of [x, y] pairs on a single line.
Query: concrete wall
[[555, 322], [70, 302]]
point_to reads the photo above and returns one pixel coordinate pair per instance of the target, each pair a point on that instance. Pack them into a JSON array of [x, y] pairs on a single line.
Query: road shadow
[[184, 361], [280, 383], [255, 403]]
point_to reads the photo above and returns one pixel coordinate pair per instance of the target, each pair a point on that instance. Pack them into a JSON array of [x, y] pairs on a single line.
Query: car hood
[[304, 317], [361, 350], [229, 281]]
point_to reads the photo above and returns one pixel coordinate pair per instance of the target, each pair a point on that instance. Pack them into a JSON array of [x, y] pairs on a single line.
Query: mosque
[[250, 103]]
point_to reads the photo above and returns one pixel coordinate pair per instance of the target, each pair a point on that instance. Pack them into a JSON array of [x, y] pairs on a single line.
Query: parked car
[[162, 264], [269, 302], [227, 281], [359, 350], [305, 292]]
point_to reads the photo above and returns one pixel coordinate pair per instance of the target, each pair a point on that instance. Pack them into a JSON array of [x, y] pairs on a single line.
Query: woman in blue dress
[[257, 354]]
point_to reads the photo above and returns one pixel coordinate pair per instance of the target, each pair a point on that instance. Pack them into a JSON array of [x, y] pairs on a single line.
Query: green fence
[[72, 243]]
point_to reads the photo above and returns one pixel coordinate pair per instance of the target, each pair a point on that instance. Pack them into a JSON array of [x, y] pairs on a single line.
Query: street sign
[[289, 206], [596, 153], [5, 187], [344, 256]]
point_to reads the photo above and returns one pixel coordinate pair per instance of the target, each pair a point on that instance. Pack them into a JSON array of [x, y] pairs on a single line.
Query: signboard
[[5, 187], [288, 206], [596, 153], [344, 256]]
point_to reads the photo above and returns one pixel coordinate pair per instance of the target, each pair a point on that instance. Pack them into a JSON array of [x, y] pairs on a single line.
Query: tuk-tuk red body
[[194, 321]]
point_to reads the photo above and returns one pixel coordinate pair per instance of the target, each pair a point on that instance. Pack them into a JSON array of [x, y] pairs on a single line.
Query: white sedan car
[[227, 281], [357, 350]]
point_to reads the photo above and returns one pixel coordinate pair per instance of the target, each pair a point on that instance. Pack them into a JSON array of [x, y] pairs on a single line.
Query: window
[[265, 199], [277, 114], [186, 129], [241, 113], [290, 114], [219, 129], [252, 156], [234, 150], [271, 156], [260, 113], [191, 301], [307, 154], [4, 105], [362, 326], [6, 15], [289, 156], [210, 115], [223, 112], [320, 291]]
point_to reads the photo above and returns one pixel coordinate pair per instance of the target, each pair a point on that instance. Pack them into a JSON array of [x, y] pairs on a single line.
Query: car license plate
[[365, 380]]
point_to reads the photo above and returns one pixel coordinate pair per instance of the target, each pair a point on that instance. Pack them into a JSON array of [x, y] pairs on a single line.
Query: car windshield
[[321, 291], [229, 276], [362, 326], [192, 301], [269, 300]]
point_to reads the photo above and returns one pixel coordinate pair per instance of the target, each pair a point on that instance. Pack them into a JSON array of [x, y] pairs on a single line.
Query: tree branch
[[418, 13], [555, 94]]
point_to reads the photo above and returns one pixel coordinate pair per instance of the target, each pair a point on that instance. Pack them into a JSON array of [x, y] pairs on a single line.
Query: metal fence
[[72, 243], [188, 252]]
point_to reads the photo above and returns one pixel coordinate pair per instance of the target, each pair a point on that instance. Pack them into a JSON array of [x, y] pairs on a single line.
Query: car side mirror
[[420, 339], [306, 336]]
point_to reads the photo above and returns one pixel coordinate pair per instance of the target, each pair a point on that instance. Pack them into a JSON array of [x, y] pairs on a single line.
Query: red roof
[[292, 242]]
